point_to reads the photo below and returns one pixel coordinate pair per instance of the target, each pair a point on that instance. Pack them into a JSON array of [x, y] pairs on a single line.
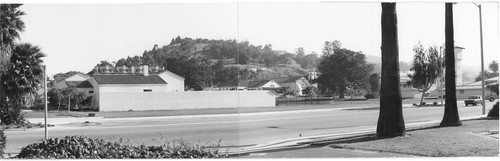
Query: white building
[[295, 83], [79, 80]]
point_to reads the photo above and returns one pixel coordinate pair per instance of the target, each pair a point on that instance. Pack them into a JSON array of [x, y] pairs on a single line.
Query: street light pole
[[45, 99], [482, 57]]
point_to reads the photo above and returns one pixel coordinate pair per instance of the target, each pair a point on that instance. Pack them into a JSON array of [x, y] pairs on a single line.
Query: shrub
[[369, 96], [82, 147], [10, 115], [494, 111], [3, 142]]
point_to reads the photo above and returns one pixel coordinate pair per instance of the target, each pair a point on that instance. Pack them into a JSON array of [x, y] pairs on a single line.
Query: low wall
[[114, 101]]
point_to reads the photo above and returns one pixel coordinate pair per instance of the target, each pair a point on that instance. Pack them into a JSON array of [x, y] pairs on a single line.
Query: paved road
[[234, 130]]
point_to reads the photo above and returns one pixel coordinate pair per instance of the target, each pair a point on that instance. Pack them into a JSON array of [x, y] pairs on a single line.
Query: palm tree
[[25, 73], [390, 121], [10, 27], [450, 117]]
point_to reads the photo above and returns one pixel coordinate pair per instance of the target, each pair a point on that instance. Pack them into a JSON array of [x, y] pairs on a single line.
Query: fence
[[309, 100], [124, 101]]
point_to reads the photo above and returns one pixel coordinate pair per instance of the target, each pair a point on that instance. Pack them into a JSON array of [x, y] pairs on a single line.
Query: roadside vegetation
[[82, 147]]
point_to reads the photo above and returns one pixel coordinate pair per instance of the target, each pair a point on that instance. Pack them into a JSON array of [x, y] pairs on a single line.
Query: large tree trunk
[[450, 117], [390, 121]]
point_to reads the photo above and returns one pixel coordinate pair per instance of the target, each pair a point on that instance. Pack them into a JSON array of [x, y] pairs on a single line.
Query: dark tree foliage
[[425, 67], [25, 74], [493, 66], [390, 121], [487, 75], [11, 26], [341, 69], [451, 117]]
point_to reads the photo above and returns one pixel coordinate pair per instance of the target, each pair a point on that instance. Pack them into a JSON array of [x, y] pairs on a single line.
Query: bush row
[[82, 147]]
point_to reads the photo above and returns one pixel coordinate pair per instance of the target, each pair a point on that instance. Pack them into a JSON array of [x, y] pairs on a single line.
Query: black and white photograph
[[240, 79]]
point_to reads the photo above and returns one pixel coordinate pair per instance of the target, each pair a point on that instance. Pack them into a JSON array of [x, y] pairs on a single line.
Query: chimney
[[146, 71]]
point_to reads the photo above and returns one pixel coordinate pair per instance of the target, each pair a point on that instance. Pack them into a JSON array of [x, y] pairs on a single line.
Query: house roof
[[128, 79], [288, 79], [257, 83], [172, 74], [58, 79], [233, 84], [80, 84]]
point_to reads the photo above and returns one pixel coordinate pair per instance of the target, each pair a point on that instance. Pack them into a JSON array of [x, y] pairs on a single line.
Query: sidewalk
[[477, 138]]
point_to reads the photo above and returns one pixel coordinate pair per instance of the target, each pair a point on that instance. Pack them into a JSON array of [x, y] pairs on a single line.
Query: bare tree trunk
[[422, 98], [450, 117], [390, 121]]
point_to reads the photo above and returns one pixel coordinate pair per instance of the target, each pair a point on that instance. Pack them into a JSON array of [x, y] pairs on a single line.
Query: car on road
[[491, 97], [473, 100]]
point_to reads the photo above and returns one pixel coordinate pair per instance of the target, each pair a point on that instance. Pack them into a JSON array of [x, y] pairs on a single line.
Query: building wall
[[139, 88], [271, 84], [465, 93], [175, 82], [137, 101]]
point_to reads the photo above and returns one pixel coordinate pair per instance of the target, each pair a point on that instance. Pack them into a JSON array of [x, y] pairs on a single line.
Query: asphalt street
[[235, 131]]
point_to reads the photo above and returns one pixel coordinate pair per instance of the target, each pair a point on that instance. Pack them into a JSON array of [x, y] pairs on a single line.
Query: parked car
[[473, 100], [491, 97]]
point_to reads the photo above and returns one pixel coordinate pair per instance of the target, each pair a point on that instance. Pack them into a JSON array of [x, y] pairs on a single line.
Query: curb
[[64, 120]]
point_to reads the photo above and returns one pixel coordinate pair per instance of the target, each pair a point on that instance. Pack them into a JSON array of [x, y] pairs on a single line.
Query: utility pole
[[45, 99], [482, 57]]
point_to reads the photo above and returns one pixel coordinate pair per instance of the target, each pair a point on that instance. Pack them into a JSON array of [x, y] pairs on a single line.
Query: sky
[[76, 37]]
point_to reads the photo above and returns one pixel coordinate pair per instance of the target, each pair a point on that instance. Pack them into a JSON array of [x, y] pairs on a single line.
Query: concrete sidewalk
[[474, 138]]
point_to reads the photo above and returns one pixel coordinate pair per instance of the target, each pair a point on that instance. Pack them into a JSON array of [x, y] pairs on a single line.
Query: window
[[90, 92], [272, 85], [462, 91], [148, 90]]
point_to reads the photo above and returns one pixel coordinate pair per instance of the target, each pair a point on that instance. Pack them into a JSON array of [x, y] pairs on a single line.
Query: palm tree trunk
[[390, 121], [450, 117]]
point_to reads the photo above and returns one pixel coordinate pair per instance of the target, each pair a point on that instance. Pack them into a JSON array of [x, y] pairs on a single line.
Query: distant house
[[79, 80], [248, 85], [175, 82], [474, 88], [263, 85], [295, 83]]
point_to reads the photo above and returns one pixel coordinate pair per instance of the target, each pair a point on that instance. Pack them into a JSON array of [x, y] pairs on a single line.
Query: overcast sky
[[78, 36]]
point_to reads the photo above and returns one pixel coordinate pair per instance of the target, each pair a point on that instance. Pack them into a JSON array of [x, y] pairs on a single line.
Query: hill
[[377, 62]]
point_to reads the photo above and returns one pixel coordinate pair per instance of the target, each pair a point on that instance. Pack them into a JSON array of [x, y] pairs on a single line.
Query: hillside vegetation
[[205, 62]]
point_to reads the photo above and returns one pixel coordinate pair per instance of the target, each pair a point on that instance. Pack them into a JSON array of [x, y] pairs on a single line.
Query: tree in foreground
[[10, 27], [390, 122], [24, 75], [342, 69], [426, 69], [450, 117]]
